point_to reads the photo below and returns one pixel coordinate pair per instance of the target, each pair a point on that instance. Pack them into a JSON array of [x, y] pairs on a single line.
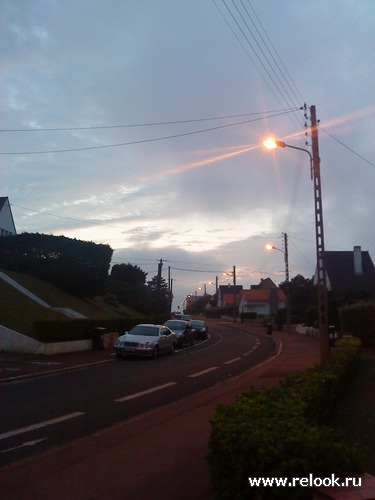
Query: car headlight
[[144, 345]]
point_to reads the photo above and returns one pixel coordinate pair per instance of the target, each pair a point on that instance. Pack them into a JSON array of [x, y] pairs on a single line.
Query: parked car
[[146, 340], [199, 328], [185, 317], [183, 331]]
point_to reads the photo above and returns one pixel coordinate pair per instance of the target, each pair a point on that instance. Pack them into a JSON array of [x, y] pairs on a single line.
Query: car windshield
[[149, 331], [197, 323], [175, 325]]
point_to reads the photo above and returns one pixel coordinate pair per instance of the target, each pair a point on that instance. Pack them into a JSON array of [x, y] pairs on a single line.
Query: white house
[[7, 227]]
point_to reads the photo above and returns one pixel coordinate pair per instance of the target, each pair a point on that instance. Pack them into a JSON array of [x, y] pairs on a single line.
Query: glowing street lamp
[[319, 232]]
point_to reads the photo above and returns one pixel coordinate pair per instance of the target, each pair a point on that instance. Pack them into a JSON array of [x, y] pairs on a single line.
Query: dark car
[[183, 331], [185, 317], [199, 328]]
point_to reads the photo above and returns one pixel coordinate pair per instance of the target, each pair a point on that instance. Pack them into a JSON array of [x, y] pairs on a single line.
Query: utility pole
[[287, 285], [234, 295], [320, 258]]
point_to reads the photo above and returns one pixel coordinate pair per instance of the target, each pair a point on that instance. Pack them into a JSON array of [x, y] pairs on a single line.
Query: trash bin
[[269, 328], [98, 338]]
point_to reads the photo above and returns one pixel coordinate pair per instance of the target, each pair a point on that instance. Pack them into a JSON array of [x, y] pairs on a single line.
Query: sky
[[140, 125]]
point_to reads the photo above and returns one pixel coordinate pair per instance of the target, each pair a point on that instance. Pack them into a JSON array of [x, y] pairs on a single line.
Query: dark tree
[[133, 275]]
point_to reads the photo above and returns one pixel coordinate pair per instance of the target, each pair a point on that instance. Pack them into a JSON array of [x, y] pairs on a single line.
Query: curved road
[[45, 412]]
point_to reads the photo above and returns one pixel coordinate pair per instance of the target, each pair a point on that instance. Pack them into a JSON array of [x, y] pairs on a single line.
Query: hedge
[[282, 432], [81, 329]]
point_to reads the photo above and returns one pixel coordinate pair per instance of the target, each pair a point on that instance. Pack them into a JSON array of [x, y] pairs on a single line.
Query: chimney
[[357, 256]]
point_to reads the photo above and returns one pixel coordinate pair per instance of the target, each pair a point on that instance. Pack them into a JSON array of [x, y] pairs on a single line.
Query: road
[[46, 412]]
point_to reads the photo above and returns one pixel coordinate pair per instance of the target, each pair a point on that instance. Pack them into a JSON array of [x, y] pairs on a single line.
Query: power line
[[133, 125], [347, 147], [143, 141], [242, 18]]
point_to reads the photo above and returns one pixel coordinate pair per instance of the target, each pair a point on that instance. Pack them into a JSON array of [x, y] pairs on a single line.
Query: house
[[350, 274], [7, 227], [262, 301], [228, 290]]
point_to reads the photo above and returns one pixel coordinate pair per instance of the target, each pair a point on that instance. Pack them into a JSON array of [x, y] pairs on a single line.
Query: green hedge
[[81, 329], [279, 432], [359, 320]]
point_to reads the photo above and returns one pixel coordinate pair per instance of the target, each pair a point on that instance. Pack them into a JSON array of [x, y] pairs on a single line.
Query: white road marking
[[45, 363], [28, 443], [57, 420], [204, 371], [148, 391], [231, 361]]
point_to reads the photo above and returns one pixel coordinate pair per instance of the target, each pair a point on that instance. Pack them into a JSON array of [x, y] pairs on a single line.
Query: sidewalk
[[159, 455]]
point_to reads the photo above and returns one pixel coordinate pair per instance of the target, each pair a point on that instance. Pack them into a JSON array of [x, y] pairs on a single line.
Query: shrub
[[279, 432], [359, 320]]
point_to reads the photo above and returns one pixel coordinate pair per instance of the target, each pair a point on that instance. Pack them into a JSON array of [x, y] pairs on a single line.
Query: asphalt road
[[45, 412]]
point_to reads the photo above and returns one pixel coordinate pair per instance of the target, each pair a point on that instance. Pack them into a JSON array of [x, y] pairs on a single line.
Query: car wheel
[[155, 352], [173, 348], [192, 342], [119, 356]]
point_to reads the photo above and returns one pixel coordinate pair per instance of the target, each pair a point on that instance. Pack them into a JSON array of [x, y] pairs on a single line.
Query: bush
[[359, 320], [279, 432]]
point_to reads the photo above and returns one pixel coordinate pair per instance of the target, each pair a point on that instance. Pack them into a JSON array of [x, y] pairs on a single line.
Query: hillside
[[19, 312]]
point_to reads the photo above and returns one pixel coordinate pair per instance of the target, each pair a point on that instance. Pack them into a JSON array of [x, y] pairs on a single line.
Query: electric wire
[[347, 147], [133, 125], [144, 141], [244, 18]]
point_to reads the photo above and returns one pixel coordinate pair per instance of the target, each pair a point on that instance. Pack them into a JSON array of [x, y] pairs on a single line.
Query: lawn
[[18, 312], [356, 413]]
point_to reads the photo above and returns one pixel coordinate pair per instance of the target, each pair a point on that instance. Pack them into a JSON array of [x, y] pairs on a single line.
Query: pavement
[[159, 455]]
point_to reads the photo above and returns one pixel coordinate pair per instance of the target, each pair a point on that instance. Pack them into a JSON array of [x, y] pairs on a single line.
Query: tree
[[303, 299], [162, 297], [133, 275]]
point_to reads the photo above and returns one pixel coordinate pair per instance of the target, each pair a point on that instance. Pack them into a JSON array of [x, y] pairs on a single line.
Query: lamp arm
[[306, 151]]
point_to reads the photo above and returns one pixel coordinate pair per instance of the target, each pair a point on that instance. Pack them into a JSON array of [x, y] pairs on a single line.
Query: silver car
[[146, 340]]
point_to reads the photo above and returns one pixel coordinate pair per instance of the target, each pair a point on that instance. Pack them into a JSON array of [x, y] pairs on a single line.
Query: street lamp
[[319, 232], [287, 286]]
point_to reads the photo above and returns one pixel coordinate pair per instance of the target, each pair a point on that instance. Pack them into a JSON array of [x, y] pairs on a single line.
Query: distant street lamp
[[319, 232], [287, 283]]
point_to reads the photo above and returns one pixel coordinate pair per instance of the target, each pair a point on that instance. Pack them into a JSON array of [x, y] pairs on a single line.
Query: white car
[[146, 340]]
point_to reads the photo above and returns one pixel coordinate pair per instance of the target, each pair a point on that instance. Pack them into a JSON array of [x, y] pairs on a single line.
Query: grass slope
[[18, 312]]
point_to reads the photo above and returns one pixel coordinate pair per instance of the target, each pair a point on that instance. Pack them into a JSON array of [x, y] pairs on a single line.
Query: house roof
[[6, 217], [228, 299], [262, 295], [3, 199], [264, 283], [341, 271]]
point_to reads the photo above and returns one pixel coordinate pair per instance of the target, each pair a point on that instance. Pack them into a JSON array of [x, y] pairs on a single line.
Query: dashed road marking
[[142, 393], [232, 361], [198, 374], [40, 425]]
